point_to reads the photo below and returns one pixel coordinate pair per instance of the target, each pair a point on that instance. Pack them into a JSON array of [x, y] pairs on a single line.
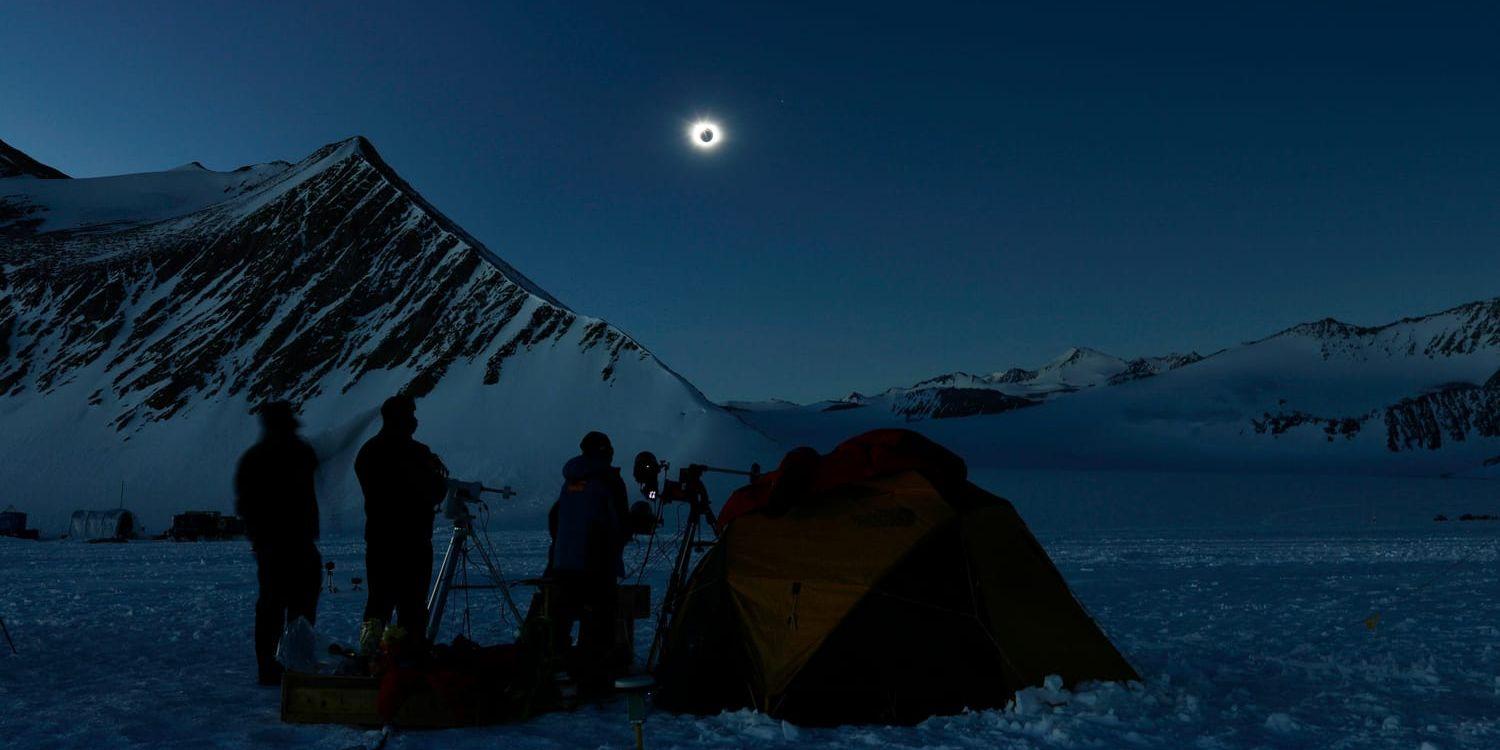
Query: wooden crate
[[350, 700]]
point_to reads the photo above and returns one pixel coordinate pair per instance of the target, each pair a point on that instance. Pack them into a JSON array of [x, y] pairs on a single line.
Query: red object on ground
[[396, 685], [455, 675]]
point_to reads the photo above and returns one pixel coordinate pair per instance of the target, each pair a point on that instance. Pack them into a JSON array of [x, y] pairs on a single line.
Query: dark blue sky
[[905, 190]]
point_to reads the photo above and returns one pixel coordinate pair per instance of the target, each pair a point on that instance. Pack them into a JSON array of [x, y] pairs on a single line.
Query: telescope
[[464, 541], [687, 487], [463, 494]]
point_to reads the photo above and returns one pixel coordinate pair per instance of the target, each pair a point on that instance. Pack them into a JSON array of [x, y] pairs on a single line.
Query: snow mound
[[113, 203]]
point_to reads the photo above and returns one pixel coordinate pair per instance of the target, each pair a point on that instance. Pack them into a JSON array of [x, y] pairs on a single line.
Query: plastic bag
[[298, 650]]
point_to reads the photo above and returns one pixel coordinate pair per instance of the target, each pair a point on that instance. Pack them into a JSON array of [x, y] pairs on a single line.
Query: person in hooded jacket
[[403, 482], [274, 493], [589, 524]]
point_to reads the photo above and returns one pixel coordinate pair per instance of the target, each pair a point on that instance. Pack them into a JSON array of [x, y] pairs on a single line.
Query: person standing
[[589, 532], [275, 496], [403, 482]]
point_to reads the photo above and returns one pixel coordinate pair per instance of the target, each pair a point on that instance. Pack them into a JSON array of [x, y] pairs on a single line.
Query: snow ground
[[1247, 637]]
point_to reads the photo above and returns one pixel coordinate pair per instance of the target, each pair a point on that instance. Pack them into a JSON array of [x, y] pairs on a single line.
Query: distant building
[[13, 524], [115, 525], [205, 525]]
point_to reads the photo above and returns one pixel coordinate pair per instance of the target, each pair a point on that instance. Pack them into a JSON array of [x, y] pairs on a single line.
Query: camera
[[647, 472], [645, 515], [687, 487]]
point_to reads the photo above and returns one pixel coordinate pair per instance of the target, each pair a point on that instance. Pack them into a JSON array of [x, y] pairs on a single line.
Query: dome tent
[[874, 584]]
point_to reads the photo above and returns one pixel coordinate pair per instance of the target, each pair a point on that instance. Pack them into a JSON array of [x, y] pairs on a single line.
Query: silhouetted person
[[589, 524], [403, 481], [274, 494]]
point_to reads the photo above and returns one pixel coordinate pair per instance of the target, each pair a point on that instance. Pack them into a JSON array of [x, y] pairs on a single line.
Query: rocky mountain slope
[[143, 316], [14, 163]]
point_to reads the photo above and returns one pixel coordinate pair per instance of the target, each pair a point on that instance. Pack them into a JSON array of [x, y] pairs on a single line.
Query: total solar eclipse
[[705, 135]]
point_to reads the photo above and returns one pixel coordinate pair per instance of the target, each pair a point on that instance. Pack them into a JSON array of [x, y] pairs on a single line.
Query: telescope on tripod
[[465, 549], [688, 488]]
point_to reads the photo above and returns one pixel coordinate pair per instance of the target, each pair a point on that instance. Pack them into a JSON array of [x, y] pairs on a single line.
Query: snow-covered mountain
[[143, 316], [1421, 395], [961, 394]]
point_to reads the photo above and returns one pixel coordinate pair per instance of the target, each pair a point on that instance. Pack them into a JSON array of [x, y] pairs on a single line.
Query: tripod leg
[[444, 581], [499, 580], [676, 582]]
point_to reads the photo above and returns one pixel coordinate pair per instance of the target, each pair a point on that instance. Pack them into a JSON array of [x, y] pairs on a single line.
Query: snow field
[[1244, 641]]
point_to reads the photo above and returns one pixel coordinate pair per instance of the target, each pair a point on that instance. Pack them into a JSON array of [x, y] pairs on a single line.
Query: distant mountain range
[[143, 316], [1417, 395]]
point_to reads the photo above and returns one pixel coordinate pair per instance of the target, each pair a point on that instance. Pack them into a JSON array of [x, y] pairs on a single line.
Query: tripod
[[689, 489], [463, 549], [677, 581]]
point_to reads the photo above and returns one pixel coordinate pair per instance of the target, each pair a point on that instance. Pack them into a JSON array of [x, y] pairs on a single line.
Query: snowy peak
[[107, 204], [959, 380], [355, 158], [1013, 375], [305, 279], [1328, 328], [1457, 331], [962, 394], [360, 147], [775, 404], [1074, 369], [149, 307], [1079, 367], [15, 163], [118, 202], [1419, 396], [1145, 367]]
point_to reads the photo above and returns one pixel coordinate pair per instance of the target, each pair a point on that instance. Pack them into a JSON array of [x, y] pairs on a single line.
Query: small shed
[[103, 525], [13, 524], [198, 525], [12, 521]]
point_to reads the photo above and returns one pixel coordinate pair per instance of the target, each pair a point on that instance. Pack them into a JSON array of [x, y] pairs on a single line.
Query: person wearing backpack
[[589, 524]]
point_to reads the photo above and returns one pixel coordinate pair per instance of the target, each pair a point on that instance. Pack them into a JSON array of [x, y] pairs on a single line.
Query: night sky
[[903, 190]]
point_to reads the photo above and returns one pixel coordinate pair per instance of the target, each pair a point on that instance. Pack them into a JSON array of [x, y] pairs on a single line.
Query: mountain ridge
[[1480, 327], [15, 163], [330, 282], [1418, 395]]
